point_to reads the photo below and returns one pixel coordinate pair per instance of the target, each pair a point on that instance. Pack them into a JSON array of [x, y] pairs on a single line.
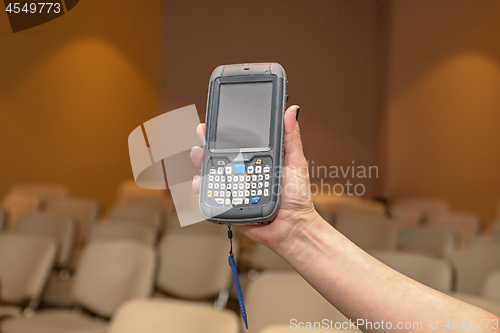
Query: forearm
[[363, 288]]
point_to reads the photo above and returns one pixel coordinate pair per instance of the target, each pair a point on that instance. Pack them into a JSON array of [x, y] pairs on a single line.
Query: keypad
[[238, 184]]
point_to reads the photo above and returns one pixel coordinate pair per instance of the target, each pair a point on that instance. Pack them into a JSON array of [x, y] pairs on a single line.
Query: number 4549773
[[34, 7]]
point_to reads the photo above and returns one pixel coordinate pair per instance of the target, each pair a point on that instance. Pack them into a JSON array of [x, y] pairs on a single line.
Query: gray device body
[[244, 196]]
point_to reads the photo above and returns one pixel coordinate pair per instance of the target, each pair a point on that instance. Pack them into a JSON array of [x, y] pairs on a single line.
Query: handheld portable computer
[[243, 150]]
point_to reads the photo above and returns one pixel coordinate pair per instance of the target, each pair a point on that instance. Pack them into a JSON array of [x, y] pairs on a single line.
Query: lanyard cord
[[230, 236], [235, 276]]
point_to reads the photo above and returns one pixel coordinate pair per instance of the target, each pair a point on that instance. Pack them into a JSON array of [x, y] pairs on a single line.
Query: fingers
[[197, 152], [196, 184], [196, 156], [200, 130], [294, 153]]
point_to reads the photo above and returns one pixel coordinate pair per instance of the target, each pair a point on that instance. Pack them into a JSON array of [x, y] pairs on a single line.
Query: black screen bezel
[[212, 123]]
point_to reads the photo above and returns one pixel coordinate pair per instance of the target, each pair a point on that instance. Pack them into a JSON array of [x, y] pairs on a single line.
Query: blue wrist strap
[[236, 279]]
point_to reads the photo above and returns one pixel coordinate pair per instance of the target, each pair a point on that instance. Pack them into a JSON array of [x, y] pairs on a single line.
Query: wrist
[[303, 235]]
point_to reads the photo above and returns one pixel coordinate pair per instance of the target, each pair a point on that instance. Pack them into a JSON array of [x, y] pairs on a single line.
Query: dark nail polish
[[297, 114]]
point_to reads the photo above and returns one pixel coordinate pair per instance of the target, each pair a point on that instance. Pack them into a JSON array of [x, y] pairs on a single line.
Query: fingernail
[[196, 148], [196, 177], [297, 114]]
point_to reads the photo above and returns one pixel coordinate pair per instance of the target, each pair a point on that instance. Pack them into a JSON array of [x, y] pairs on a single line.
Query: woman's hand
[[350, 279], [296, 210]]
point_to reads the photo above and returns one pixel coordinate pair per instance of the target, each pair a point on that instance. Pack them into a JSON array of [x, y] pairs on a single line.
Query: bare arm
[[354, 282], [362, 287]]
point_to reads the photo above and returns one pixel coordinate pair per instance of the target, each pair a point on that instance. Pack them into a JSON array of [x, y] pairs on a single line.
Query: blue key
[[239, 169], [255, 200]]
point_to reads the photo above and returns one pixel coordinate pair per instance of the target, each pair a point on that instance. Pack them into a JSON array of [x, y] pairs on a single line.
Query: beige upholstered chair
[[473, 265], [84, 211], [61, 230], [164, 315], [194, 265], [128, 191], [25, 265], [99, 283], [431, 242], [330, 206], [426, 206], [361, 212], [275, 297], [406, 216], [465, 226], [49, 193], [163, 203], [491, 287], [432, 272], [172, 224], [495, 229], [116, 231], [369, 233], [17, 203], [109, 273], [137, 214], [58, 291]]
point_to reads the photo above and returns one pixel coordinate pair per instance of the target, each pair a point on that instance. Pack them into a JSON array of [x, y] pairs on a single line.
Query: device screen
[[244, 116]]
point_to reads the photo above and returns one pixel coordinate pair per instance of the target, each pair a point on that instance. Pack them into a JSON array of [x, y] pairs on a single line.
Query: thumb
[[294, 153]]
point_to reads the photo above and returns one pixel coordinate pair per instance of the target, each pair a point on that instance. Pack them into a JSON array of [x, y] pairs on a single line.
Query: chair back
[[491, 288], [275, 297], [49, 193], [369, 233], [160, 316], [85, 212], [426, 206], [17, 203], [61, 230], [194, 265], [474, 265], [116, 231], [137, 214], [112, 272], [26, 262], [431, 242], [465, 226]]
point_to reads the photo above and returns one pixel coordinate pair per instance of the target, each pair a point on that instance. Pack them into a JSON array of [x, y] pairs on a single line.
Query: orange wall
[[72, 90], [329, 49], [442, 117]]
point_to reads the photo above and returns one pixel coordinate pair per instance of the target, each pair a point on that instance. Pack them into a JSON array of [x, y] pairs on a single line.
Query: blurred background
[[409, 87]]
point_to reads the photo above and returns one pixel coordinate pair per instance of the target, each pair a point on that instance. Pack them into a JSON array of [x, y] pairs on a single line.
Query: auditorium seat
[[167, 315], [435, 243], [99, 287], [25, 265], [369, 233], [275, 297], [61, 230]]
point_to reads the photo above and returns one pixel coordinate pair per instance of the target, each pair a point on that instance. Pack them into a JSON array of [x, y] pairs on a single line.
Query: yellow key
[[209, 194], [258, 162]]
